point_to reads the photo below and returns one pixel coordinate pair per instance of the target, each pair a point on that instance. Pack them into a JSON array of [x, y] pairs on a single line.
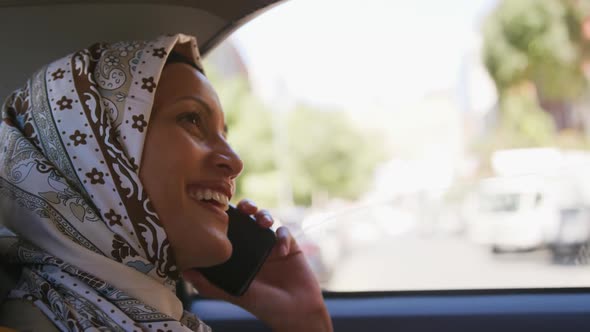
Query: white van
[[514, 213]]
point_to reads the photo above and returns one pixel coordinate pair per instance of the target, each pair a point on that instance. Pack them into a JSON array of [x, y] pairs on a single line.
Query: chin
[[221, 250], [214, 254], [223, 254]]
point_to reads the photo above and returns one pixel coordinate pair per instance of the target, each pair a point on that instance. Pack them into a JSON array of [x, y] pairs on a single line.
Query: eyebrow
[[203, 104]]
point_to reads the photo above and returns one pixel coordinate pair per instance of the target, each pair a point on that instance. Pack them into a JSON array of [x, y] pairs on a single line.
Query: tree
[[323, 151], [537, 41], [535, 51], [330, 155]]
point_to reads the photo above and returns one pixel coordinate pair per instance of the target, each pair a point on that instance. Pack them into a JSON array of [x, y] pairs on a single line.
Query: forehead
[[179, 80]]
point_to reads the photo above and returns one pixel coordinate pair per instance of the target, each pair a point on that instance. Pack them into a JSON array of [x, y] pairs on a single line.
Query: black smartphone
[[251, 246]]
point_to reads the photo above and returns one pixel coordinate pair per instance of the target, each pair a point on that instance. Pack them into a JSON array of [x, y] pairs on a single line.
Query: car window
[[423, 145]]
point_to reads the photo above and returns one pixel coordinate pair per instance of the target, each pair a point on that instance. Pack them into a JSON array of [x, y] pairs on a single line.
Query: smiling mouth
[[210, 197]]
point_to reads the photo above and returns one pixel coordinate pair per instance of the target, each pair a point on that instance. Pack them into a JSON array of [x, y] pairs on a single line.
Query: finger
[[285, 242], [264, 218], [247, 206]]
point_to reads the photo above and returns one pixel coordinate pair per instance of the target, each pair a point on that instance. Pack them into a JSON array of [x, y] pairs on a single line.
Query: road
[[430, 262]]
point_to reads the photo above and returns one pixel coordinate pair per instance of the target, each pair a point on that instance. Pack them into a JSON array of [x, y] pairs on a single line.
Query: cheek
[[156, 169], [173, 152], [171, 158], [185, 161]]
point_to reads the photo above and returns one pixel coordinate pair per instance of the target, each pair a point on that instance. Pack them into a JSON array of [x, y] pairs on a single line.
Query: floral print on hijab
[[93, 251]]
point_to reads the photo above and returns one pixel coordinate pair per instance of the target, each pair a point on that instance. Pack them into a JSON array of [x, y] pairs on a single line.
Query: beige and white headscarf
[[94, 254]]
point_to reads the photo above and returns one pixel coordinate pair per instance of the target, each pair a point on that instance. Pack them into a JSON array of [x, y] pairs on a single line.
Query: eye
[[191, 118]]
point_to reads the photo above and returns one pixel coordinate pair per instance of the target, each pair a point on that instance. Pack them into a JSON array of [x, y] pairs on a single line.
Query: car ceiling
[[34, 32]]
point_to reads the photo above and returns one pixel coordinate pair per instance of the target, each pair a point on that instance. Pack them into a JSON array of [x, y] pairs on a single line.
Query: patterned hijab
[[94, 253]]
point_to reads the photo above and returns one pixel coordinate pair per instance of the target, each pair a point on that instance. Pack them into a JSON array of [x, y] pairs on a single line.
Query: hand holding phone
[[251, 246], [288, 273]]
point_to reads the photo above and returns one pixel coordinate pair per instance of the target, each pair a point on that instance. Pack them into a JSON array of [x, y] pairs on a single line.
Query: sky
[[355, 54]]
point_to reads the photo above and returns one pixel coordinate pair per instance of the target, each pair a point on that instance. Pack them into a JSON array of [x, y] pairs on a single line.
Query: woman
[[119, 152]]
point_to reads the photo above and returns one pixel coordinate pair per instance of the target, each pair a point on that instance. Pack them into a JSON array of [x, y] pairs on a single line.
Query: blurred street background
[[418, 145]]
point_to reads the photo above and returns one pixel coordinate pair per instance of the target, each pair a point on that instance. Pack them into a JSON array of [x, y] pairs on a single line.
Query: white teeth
[[196, 195], [208, 194]]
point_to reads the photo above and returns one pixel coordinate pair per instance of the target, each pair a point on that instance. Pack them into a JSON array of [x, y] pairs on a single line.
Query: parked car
[[573, 235]]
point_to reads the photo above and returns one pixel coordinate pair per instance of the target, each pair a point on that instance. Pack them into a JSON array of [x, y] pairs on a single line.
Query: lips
[[212, 195], [209, 196]]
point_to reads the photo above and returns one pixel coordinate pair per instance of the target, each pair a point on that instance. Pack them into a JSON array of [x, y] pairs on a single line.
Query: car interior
[[29, 29]]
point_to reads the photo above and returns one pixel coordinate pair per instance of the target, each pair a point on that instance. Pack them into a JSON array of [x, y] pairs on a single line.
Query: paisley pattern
[[71, 141]]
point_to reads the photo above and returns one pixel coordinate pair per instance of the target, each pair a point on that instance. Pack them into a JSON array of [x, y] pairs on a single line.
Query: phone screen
[[251, 246]]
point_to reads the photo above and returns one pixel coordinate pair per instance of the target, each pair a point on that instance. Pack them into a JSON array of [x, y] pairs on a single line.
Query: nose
[[227, 160]]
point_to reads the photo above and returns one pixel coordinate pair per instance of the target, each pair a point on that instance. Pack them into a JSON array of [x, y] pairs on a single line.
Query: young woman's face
[[188, 169]]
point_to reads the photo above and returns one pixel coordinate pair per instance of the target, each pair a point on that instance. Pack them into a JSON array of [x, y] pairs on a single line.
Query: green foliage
[[521, 124], [322, 151], [329, 154], [537, 41], [524, 123], [535, 51]]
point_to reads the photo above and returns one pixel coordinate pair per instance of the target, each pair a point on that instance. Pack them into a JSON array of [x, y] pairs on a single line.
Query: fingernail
[[282, 233], [284, 250], [267, 219]]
